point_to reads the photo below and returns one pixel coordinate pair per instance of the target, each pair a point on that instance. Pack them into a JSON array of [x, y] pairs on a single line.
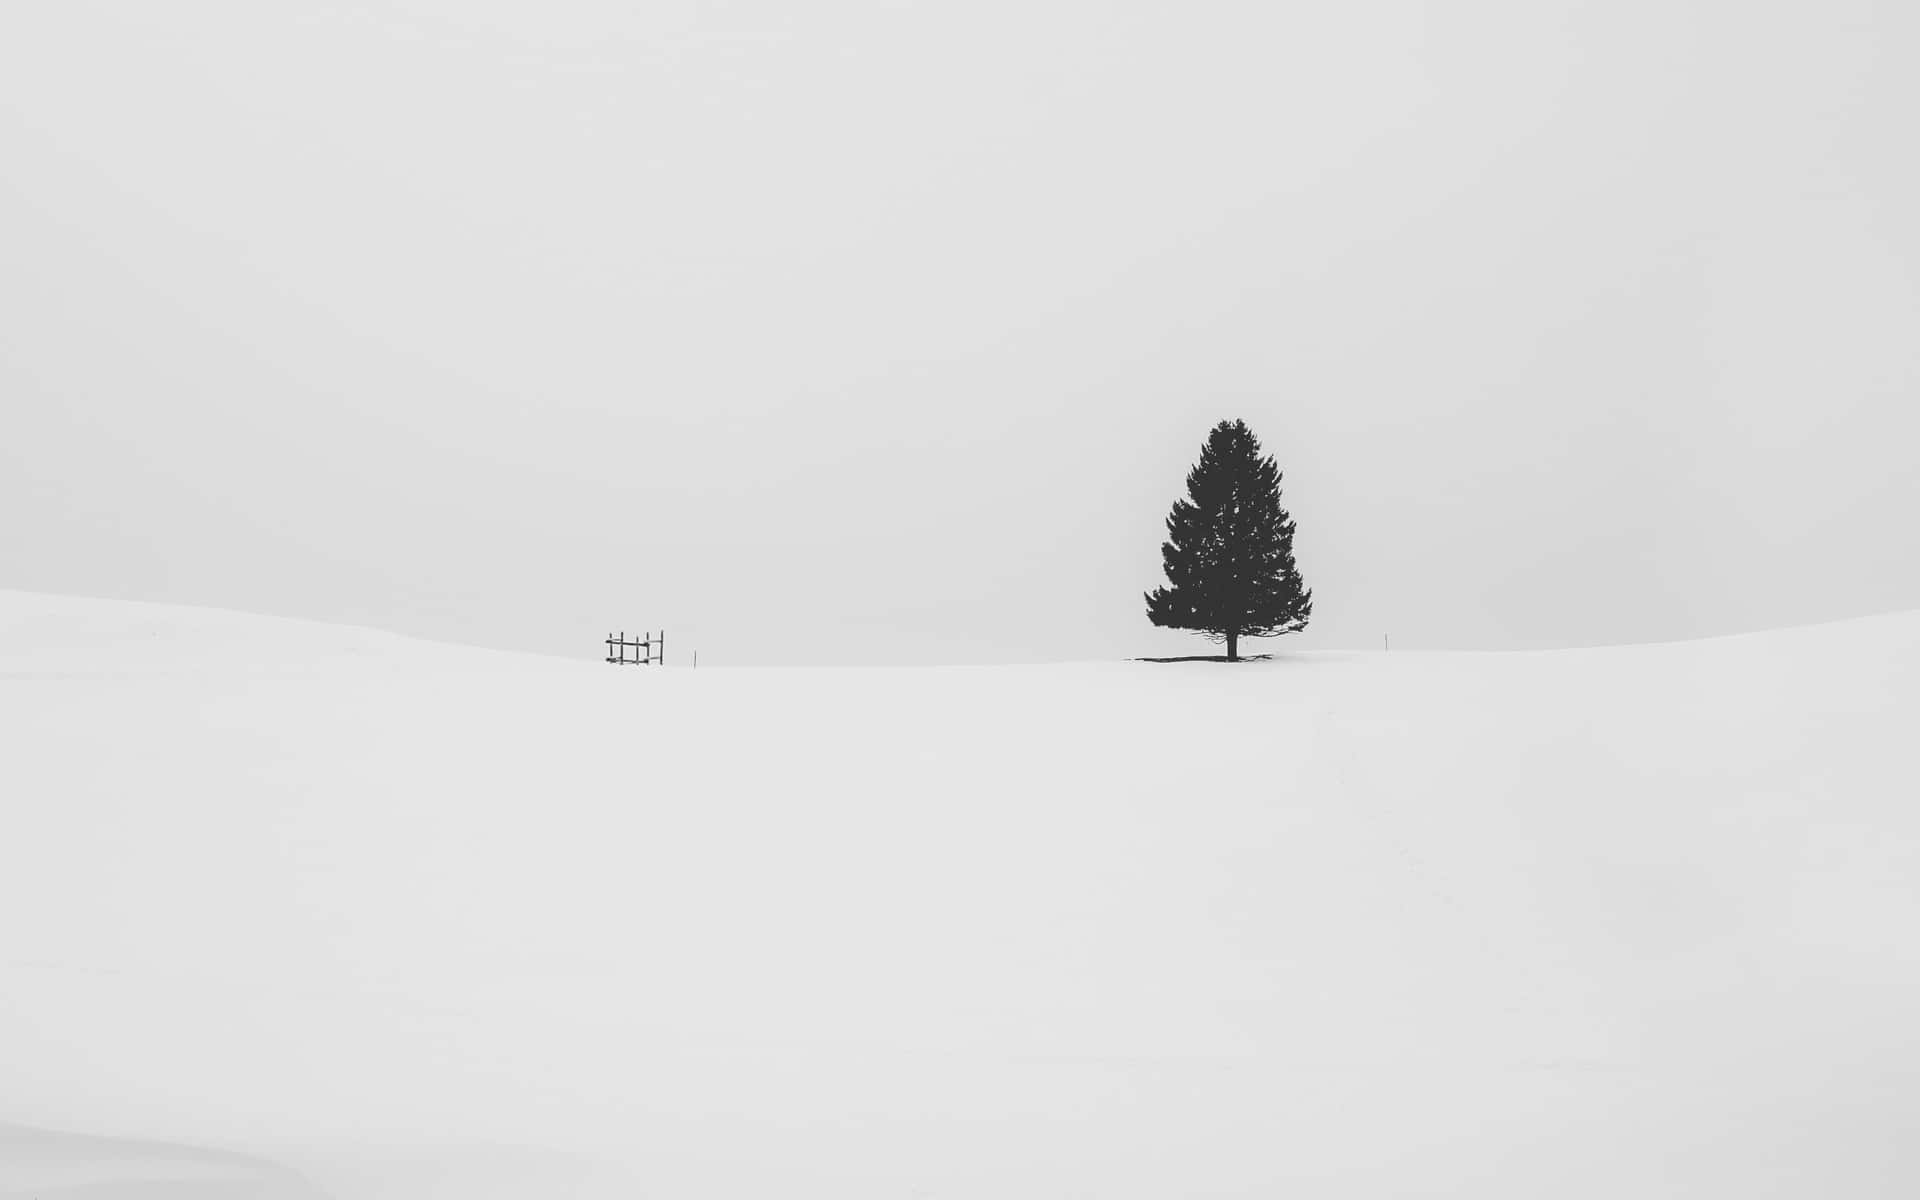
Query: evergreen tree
[[1229, 548]]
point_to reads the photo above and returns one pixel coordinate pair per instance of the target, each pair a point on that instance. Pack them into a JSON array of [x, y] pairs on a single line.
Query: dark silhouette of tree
[[1229, 548]]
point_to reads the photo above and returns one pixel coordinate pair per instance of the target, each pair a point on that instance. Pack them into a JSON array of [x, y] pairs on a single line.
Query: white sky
[[881, 332]]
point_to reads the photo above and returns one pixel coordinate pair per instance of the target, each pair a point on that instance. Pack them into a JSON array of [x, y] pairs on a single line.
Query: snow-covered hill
[[410, 920]]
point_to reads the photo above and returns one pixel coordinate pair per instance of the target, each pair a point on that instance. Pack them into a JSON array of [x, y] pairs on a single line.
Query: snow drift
[[393, 919]]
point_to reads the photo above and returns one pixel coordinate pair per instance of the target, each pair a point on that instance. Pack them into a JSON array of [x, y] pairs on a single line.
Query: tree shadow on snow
[[1213, 658]]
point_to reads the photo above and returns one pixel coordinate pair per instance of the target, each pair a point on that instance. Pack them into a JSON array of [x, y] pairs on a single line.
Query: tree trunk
[[1233, 645]]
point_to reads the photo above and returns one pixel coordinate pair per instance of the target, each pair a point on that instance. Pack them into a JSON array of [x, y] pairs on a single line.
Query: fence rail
[[647, 649]]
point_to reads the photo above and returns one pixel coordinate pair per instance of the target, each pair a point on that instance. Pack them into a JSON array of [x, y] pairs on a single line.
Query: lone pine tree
[[1229, 548]]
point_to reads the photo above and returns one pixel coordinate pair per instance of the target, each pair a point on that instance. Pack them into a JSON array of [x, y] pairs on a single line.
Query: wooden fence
[[646, 648]]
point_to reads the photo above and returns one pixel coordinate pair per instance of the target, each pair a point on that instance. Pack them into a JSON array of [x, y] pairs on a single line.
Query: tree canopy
[[1229, 549]]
